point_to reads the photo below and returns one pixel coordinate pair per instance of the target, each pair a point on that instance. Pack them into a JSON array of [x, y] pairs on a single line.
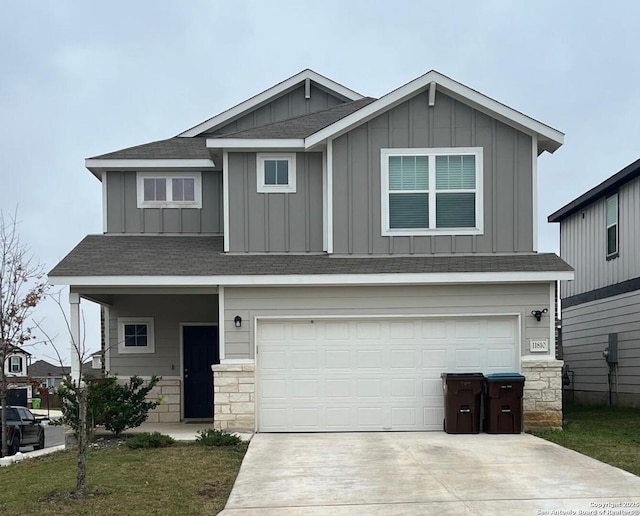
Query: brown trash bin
[[462, 395], [503, 403]]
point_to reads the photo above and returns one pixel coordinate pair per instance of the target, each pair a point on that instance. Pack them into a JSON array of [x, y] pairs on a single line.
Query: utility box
[[503, 403], [462, 402], [611, 353]]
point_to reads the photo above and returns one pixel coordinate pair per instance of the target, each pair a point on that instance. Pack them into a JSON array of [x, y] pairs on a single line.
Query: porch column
[[75, 344]]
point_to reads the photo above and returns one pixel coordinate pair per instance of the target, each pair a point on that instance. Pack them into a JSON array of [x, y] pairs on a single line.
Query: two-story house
[[600, 238], [16, 365], [313, 260]]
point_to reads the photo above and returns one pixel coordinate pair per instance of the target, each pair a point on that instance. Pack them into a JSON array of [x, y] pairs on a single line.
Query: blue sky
[[82, 78]]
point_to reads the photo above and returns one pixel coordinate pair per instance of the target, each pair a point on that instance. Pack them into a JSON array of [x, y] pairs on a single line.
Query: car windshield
[[12, 414]]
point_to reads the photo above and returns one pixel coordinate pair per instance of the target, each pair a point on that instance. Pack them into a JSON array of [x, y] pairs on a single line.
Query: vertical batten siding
[[508, 204], [250, 303], [275, 222], [583, 243], [286, 106], [585, 335], [124, 216]]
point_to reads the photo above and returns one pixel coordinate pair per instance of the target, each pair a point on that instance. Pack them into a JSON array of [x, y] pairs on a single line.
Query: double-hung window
[[276, 173], [612, 226], [431, 191], [169, 190], [15, 365]]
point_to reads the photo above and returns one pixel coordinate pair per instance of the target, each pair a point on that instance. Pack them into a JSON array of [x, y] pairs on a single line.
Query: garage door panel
[[367, 375]]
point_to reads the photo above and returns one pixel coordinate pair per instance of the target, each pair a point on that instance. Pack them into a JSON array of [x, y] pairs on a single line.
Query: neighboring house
[[47, 375], [16, 367], [600, 238], [327, 256]]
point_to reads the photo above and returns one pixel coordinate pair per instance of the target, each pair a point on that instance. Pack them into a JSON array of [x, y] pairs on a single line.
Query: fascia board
[[302, 280], [98, 166], [266, 96], [247, 144], [553, 138]]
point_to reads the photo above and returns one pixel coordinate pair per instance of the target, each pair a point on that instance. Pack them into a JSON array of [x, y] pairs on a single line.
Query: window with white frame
[[276, 173], [136, 335], [169, 189], [432, 191], [15, 365], [612, 226]]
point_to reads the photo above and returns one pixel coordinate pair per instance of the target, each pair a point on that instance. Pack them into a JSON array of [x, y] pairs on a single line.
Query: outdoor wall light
[[237, 320], [538, 313]]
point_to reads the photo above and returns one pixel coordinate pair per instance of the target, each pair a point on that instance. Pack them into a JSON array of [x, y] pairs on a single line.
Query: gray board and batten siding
[[443, 300], [275, 222], [508, 163], [585, 335], [583, 243], [168, 311], [124, 216], [285, 106]]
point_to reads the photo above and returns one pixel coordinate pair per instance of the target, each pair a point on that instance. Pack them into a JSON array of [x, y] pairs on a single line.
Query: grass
[[184, 479], [609, 434]]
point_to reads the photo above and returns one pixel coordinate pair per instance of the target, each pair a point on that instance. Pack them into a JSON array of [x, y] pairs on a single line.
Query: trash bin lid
[[511, 377], [462, 376]]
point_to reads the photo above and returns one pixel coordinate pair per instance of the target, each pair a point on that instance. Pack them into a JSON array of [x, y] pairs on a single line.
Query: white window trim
[[431, 154], [260, 184], [168, 176], [616, 253], [22, 362], [135, 350]]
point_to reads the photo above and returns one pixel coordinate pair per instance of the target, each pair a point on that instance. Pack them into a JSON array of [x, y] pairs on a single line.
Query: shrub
[[150, 440], [117, 406], [211, 437]]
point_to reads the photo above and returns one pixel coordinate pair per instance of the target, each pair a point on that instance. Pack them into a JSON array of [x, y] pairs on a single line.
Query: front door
[[201, 349]]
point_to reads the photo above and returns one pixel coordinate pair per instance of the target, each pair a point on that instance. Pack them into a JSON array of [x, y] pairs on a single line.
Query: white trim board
[[249, 144], [304, 280], [269, 94], [549, 139]]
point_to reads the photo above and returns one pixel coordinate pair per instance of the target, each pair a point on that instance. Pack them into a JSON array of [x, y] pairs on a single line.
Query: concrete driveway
[[424, 473]]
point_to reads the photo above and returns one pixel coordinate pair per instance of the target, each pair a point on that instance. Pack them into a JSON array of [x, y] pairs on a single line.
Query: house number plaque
[[538, 346]]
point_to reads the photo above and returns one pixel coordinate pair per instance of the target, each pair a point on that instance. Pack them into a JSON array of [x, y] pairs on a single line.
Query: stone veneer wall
[[169, 409], [234, 397], [542, 400]]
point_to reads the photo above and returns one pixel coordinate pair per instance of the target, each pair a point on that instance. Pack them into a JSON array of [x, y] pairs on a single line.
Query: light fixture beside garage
[[237, 320], [536, 313]]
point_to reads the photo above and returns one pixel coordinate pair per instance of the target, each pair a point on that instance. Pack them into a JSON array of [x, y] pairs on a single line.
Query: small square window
[[135, 335], [155, 189], [276, 173]]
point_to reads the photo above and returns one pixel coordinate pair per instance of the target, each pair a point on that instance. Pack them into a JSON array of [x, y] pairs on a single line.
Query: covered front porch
[[169, 332]]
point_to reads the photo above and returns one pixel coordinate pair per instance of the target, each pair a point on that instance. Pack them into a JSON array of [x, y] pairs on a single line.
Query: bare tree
[[22, 286], [79, 349]]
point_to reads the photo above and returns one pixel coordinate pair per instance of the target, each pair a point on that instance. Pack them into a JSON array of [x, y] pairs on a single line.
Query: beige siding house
[[313, 259]]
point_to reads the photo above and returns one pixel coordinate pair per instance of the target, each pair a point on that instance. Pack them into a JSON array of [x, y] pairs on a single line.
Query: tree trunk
[[3, 401], [81, 483]]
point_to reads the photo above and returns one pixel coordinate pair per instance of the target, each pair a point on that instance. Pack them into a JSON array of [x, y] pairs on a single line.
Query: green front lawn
[[183, 479], [609, 434]]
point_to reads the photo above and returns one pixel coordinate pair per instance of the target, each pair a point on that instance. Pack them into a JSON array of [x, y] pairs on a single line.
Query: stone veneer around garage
[[542, 400], [233, 397]]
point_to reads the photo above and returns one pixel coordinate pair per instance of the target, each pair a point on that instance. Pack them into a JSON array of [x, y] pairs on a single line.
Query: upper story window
[[432, 191], [612, 226], [15, 365], [169, 189], [136, 335], [276, 173]]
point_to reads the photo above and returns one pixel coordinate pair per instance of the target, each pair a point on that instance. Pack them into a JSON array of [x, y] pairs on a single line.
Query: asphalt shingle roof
[[107, 255], [172, 148], [303, 125]]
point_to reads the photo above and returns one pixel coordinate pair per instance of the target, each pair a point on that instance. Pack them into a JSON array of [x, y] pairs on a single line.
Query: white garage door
[[369, 374]]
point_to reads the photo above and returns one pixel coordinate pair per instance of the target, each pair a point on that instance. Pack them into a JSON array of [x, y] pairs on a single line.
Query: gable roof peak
[[270, 94]]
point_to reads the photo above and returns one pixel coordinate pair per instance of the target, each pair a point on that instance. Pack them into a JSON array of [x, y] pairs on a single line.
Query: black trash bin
[[462, 395], [503, 403]]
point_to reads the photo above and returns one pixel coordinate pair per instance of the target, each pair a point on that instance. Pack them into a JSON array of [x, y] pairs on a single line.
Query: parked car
[[23, 429]]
